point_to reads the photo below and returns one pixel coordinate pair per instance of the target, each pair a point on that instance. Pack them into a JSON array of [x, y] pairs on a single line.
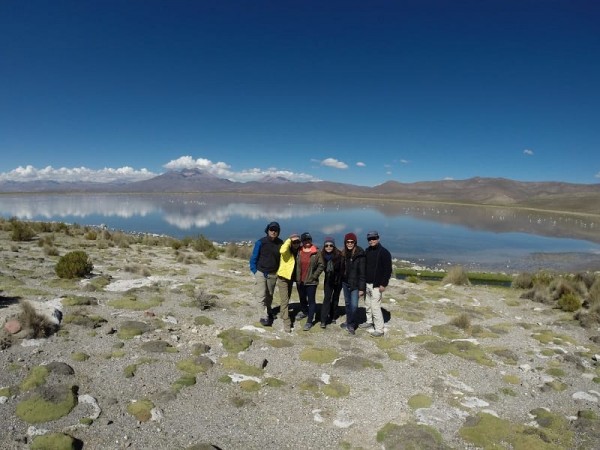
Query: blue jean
[[351, 300], [307, 294]]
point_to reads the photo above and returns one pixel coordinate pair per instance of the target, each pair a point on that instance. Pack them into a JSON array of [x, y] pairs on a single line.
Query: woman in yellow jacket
[[286, 276]]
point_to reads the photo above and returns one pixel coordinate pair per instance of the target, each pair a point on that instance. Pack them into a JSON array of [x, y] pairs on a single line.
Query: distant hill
[[559, 196]]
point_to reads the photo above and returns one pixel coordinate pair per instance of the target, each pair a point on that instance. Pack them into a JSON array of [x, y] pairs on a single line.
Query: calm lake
[[484, 238]]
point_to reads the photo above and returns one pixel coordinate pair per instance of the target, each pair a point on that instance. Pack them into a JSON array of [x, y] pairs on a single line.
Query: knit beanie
[[350, 237], [329, 240]]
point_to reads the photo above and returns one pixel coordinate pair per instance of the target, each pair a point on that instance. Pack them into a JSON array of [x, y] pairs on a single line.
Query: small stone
[[12, 326]]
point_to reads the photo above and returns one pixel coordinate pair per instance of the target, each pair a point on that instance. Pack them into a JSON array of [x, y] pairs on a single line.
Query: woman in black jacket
[[332, 259], [353, 279]]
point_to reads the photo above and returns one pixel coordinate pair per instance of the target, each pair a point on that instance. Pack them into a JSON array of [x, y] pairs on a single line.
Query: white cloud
[[223, 170], [64, 174], [597, 175], [361, 164], [332, 162], [448, 178], [404, 161], [528, 152]]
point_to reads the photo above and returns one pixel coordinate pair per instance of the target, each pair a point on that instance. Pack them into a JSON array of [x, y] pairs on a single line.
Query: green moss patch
[[130, 370], [184, 381], [507, 355], [55, 441], [76, 300], [141, 409], [203, 321], [200, 349], [420, 401], [36, 377], [357, 363], [411, 316], [274, 382], [236, 365], [511, 379], [234, 340], [82, 319], [131, 302], [488, 432], [280, 343], [547, 337], [319, 355], [336, 389], [463, 349], [79, 356], [158, 347], [396, 356], [47, 404], [200, 364], [132, 328], [410, 436], [249, 386], [310, 385]]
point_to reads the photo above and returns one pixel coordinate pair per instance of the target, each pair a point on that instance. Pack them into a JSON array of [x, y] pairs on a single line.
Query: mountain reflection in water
[[477, 236]]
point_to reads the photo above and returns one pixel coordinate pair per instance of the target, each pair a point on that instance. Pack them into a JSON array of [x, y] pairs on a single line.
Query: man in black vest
[[264, 263]]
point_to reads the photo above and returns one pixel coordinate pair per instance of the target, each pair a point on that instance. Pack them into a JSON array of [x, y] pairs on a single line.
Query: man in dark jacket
[[264, 263], [378, 274]]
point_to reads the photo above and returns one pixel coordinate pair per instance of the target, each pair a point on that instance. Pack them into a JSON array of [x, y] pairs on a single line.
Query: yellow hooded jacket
[[287, 261]]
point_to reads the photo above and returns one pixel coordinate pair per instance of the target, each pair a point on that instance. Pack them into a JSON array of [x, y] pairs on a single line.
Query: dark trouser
[[351, 299], [330, 303], [307, 294]]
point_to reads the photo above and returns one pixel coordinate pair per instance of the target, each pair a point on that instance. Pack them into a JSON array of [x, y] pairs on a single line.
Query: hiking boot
[[323, 325], [350, 330], [307, 326], [377, 334], [266, 321], [301, 315], [343, 326], [365, 325]]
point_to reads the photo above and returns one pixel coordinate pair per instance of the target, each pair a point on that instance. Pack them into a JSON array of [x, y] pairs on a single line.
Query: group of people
[[351, 270]]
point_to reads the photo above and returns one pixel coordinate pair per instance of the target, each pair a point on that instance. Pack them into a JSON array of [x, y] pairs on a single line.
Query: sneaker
[[343, 325], [307, 326], [377, 334], [350, 330], [301, 315], [365, 325], [334, 321], [266, 321], [323, 325]]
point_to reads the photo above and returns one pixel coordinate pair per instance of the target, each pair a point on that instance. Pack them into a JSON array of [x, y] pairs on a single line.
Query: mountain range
[[549, 195]]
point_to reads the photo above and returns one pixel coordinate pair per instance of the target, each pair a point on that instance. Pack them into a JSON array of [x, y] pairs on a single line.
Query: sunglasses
[[295, 242], [274, 229], [350, 242], [328, 245], [372, 238]]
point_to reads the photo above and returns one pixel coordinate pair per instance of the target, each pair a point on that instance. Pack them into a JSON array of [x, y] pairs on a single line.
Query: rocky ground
[[162, 349]]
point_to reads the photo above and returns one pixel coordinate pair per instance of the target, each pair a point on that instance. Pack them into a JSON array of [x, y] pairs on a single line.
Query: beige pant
[[265, 287], [285, 291], [373, 306]]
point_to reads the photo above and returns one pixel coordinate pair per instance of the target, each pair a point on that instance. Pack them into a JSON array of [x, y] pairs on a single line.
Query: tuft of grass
[[39, 326], [462, 321]]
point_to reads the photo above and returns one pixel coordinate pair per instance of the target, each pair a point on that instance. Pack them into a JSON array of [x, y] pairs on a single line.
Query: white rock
[[253, 328], [238, 378], [317, 416], [525, 367], [325, 378], [585, 396], [474, 402], [89, 400]]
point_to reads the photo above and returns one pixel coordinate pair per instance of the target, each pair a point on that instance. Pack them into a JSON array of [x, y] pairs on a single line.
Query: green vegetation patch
[[158, 347], [396, 356], [319, 355], [79, 356], [511, 379], [76, 300], [131, 302], [236, 365], [203, 321], [141, 409], [98, 283], [249, 386], [48, 404], [82, 319], [389, 343], [495, 279], [130, 370], [463, 349], [489, 432], [448, 331], [36, 377], [410, 436], [507, 355], [411, 316], [132, 328], [200, 364], [418, 401], [336, 389], [280, 343], [235, 340], [310, 385], [355, 362], [274, 382], [184, 381], [200, 349], [54, 441]]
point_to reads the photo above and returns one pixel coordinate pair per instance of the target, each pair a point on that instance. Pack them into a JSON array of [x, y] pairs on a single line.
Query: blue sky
[[350, 91]]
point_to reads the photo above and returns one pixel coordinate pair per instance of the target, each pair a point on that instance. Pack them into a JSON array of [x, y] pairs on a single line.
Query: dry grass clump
[[462, 321], [37, 325], [138, 270], [523, 281], [457, 276], [203, 300], [241, 251]]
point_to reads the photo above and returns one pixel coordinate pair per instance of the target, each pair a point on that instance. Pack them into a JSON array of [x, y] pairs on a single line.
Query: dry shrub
[[203, 300], [587, 278], [523, 281], [138, 270], [457, 276], [542, 278], [37, 325], [240, 251], [542, 295], [569, 302], [462, 321], [590, 318], [560, 287], [593, 297]]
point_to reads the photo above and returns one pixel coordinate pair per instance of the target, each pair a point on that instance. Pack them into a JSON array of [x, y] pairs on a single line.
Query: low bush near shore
[[74, 265]]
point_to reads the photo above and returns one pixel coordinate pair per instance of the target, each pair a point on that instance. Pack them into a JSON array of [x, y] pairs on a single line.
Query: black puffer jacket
[[354, 268], [333, 268]]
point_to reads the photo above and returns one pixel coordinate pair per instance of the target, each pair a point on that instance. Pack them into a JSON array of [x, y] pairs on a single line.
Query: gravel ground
[[517, 356]]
